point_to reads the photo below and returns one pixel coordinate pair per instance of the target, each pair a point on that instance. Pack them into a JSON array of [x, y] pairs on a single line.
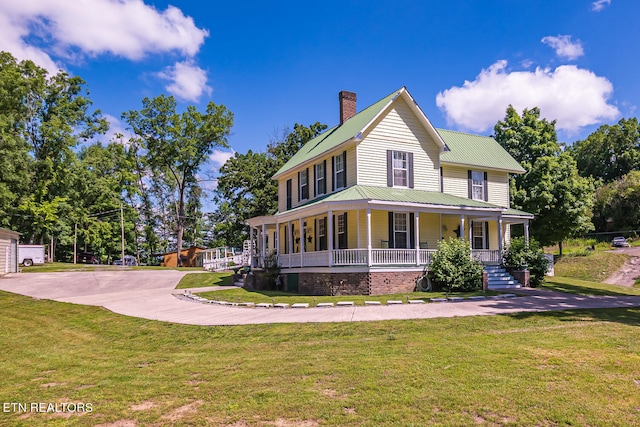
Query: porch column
[[416, 237], [290, 241], [500, 235], [264, 243], [302, 243], [526, 233], [277, 242], [330, 244], [250, 247], [462, 227], [369, 263]]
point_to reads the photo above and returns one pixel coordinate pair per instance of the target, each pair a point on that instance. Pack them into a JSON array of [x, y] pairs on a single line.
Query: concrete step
[[497, 287]]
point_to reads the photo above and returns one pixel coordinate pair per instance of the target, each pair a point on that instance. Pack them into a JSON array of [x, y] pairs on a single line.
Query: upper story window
[[289, 188], [321, 177], [478, 185], [399, 169], [339, 171], [303, 185]]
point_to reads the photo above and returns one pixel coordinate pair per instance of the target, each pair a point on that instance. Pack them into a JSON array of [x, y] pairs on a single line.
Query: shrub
[[519, 255], [453, 269]]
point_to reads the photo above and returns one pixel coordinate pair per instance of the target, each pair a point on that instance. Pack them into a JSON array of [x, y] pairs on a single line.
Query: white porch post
[[500, 235], [369, 263], [277, 242], [526, 233], [302, 243], [462, 227], [290, 241], [264, 243], [330, 247], [250, 248], [416, 237]]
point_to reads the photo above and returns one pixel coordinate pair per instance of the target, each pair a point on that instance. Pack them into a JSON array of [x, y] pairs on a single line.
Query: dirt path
[[629, 272]]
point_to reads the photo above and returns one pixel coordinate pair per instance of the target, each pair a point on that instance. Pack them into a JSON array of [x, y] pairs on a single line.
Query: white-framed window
[[322, 235], [478, 235], [341, 229], [400, 230], [338, 176], [400, 169], [304, 184], [477, 185], [321, 180]]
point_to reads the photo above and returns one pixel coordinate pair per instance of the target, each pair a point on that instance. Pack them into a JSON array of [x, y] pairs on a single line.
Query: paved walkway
[[148, 294]]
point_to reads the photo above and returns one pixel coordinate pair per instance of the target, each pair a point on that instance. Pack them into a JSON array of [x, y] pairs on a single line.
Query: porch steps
[[499, 278]]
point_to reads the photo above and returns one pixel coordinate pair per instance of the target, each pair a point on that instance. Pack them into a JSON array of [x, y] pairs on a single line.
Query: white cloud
[[564, 47], [219, 157], [117, 131], [37, 29], [573, 96], [187, 81], [599, 5]]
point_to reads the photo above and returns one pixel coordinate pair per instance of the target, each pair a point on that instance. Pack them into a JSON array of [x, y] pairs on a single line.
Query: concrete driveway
[[149, 294]]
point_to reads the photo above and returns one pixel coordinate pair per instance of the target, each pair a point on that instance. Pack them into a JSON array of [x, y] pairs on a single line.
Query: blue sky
[[274, 64]]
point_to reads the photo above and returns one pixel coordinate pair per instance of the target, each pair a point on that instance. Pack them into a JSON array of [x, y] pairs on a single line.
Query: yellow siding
[[398, 130], [449, 224], [455, 181], [429, 230], [493, 235], [498, 188]]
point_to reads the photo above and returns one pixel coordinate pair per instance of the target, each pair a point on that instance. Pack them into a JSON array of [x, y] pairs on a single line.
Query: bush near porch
[[453, 268]]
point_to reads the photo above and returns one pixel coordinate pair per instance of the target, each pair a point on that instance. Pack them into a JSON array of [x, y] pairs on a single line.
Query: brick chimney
[[347, 105]]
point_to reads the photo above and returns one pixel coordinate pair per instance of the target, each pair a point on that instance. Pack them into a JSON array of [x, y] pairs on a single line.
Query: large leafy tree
[[42, 119], [551, 187], [610, 152], [617, 204], [245, 188], [178, 144]]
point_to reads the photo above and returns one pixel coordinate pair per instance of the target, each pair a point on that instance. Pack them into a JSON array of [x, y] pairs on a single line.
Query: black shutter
[[299, 187], [345, 242], [334, 231], [389, 171], [441, 181], [486, 234], [344, 170], [310, 186], [486, 185], [324, 180], [293, 237], [333, 177], [289, 194], [470, 184], [315, 234], [410, 171], [324, 244], [412, 231], [392, 237], [286, 239]]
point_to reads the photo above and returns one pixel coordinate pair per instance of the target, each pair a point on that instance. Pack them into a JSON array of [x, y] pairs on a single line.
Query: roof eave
[[517, 171]]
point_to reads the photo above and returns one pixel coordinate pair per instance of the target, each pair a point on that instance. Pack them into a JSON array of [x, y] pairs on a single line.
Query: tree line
[[61, 183]]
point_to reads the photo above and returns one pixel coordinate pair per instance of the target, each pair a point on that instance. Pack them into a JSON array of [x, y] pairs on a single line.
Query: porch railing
[[347, 257], [487, 256]]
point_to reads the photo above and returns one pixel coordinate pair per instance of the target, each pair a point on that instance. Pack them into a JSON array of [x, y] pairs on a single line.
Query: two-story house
[[362, 207]]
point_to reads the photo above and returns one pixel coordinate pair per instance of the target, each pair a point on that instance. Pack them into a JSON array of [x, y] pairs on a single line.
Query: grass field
[[536, 369], [594, 266], [67, 266], [585, 287], [201, 280]]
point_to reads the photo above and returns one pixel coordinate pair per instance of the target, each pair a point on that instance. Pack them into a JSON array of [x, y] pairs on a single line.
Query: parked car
[[620, 242], [86, 258], [129, 261]]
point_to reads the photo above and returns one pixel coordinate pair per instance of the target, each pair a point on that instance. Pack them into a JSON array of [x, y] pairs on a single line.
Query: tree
[[245, 188], [617, 204], [179, 144], [551, 187], [454, 269], [610, 152]]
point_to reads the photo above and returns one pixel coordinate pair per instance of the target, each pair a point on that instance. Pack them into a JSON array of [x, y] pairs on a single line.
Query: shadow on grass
[[626, 316]]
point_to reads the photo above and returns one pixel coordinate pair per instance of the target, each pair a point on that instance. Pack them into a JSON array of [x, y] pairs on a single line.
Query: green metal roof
[[476, 150], [516, 212], [397, 195], [335, 136]]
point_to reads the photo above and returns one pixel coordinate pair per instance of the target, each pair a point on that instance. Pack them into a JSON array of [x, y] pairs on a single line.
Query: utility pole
[[75, 242], [122, 231]]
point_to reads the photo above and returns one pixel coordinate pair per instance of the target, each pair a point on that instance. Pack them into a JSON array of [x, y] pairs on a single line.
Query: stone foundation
[[521, 276], [364, 283]]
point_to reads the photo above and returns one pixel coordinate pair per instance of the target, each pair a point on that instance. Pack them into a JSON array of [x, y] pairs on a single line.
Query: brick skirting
[[364, 283]]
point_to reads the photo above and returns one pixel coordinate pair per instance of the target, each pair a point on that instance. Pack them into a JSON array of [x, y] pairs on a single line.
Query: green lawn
[[584, 287], [245, 295], [67, 266], [201, 280], [535, 369], [593, 266]]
